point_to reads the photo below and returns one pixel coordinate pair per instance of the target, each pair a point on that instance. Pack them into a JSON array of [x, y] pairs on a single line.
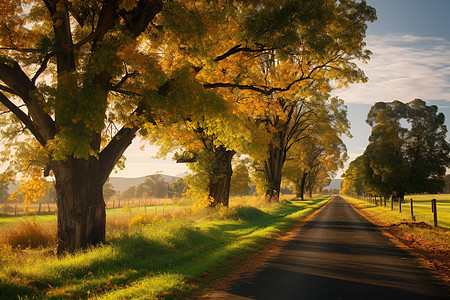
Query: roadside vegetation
[[421, 209], [147, 256]]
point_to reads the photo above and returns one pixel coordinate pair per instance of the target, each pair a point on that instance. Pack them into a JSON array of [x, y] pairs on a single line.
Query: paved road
[[339, 255]]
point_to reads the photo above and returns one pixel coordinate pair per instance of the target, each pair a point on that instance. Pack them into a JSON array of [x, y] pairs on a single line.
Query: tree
[[353, 178], [446, 189], [5, 180], [408, 151], [69, 67], [128, 193], [310, 64], [108, 190], [320, 154], [240, 181], [178, 187], [317, 122], [154, 186]]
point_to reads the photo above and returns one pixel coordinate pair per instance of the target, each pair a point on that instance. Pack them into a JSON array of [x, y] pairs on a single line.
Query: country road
[[340, 255]]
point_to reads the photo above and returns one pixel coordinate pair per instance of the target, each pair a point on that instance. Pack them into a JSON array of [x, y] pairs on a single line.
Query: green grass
[[166, 259], [111, 214], [422, 209], [47, 218]]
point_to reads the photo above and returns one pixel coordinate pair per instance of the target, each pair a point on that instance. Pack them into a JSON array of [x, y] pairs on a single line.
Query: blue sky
[[410, 42]]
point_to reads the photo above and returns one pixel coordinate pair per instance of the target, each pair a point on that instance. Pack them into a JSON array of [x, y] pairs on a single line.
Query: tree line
[[208, 80]]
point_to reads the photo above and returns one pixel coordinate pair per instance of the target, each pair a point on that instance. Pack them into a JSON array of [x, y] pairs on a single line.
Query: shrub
[[28, 234], [140, 220]]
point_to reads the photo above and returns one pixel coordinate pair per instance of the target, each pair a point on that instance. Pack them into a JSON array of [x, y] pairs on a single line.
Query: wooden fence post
[[434, 211], [412, 211]]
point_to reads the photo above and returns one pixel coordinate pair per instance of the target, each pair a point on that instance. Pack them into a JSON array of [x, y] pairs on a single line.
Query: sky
[[410, 42]]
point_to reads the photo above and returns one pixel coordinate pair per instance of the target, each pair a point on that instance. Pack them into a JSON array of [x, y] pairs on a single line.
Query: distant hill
[[122, 183], [335, 184]]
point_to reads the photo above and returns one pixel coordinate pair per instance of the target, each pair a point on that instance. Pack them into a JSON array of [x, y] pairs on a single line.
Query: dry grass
[[28, 234]]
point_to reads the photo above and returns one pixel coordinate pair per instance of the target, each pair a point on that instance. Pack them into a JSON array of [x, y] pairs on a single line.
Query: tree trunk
[[273, 167], [298, 188], [81, 207], [220, 179], [302, 185], [400, 196]]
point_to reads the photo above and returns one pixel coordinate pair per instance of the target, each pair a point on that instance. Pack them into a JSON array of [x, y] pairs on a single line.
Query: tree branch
[[124, 79], [238, 48], [265, 90], [42, 67], [111, 154], [7, 89], [23, 118], [19, 83]]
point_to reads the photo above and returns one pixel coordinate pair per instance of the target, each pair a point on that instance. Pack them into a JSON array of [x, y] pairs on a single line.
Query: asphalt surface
[[340, 255]]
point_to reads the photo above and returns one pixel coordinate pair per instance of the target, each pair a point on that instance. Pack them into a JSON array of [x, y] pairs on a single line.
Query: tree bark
[[302, 185], [81, 207], [273, 167], [220, 180], [297, 186]]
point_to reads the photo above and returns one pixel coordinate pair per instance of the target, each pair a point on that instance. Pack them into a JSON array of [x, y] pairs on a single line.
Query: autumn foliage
[[69, 69]]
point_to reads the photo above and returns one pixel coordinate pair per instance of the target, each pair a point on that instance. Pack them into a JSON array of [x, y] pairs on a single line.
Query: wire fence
[[431, 209], [18, 209]]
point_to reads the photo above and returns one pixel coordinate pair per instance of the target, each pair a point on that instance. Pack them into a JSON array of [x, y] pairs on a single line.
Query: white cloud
[[403, 67]]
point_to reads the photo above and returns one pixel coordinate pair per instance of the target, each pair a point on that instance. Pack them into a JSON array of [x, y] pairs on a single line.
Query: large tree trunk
[[81, 208], [79, 194], [220, 180], [273, 167]]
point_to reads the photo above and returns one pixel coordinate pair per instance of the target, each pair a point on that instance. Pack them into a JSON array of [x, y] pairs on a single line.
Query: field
[[156, 258], [421, 209]]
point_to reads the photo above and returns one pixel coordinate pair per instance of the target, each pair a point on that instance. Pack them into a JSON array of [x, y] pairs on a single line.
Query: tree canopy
[[407, 151]]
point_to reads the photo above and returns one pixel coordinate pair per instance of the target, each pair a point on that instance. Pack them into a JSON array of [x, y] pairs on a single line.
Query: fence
[[435, 212], [16, 209]]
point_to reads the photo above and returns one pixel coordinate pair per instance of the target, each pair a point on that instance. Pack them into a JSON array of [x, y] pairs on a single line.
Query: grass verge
[[167, 259], [429, 243]]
